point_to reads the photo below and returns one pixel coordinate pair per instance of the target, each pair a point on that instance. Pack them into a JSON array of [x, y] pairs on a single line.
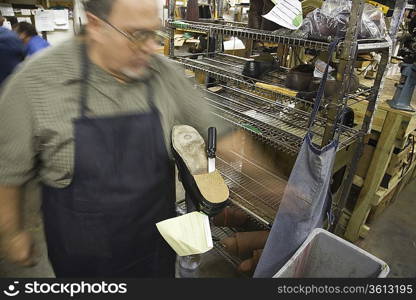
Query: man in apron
[[92, 118]]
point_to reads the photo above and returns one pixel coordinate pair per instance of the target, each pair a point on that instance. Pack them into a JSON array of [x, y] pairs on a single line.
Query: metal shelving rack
[[276, 118]]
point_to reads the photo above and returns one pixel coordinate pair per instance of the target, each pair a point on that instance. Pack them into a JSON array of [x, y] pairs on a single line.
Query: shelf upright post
[[366, 125], [335, 107], [345, 68], [397, 19], [171, 13], [353, 230], [220, 9]]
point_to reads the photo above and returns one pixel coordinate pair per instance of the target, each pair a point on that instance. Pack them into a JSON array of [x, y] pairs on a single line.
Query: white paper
[[286, 13], [192, 41], [61, 19], [24, 19], [187, 234], [25, 12], [320, 70], [234, 44], [179, 40], [7, 24], [45, 20], [6, 10]]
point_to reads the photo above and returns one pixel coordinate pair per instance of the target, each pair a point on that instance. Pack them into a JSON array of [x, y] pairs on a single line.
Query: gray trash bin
[[324, 254]]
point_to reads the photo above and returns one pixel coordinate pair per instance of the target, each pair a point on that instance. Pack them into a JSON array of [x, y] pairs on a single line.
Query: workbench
[[387, 167]]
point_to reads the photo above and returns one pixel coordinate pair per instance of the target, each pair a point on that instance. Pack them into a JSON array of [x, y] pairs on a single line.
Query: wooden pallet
[[385, 168], [401, 161]]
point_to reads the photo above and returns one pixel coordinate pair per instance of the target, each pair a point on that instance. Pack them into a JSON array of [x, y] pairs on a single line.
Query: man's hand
[[19, 249], [15, 244]]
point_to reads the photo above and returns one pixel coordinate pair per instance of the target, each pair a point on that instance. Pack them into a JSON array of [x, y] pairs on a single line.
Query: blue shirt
[[35, 44], [12, 52]]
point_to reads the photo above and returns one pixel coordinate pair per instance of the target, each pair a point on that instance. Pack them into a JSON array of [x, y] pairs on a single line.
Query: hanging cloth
[[306, 197]]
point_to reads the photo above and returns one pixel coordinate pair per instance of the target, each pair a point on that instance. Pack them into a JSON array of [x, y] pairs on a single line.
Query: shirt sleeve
[[194, 110], [17, 155]]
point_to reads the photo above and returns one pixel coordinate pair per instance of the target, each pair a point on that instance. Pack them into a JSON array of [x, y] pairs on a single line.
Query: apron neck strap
[[321, 89], [150, 93], [85, 74]]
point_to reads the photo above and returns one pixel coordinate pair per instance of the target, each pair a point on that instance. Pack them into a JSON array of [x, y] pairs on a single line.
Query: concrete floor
[[392, 238]]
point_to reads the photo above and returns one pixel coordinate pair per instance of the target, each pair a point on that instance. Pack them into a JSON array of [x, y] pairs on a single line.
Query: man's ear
[[94, 27]]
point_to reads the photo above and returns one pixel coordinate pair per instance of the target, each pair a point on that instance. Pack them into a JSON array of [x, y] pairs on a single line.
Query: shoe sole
[[212, 187], [190, 146]]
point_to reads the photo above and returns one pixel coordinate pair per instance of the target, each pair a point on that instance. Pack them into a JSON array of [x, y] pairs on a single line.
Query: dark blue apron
[[103, 223]]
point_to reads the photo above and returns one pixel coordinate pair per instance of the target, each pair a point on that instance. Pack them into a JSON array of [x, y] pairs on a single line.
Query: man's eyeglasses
[[139, 37]]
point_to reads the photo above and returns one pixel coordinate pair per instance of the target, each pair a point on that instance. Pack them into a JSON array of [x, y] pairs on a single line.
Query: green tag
[[180, 24], [298, 20], [187, 35], [251, 128]]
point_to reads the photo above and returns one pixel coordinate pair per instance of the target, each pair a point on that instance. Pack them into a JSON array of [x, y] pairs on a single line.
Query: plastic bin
[[324, 254]]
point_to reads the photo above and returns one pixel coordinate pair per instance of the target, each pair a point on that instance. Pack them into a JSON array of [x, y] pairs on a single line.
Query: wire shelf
[[240, 81], [274, 123], [234, 65], [219, 233], [229, 68], [253, 189], [216, 22], [240, 30]]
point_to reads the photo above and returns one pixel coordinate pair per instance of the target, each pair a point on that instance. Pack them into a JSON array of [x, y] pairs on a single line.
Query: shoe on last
[[208, 191]]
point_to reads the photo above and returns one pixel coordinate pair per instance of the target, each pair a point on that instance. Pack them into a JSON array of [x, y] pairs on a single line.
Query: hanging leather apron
[[306, 198], [103, 223]]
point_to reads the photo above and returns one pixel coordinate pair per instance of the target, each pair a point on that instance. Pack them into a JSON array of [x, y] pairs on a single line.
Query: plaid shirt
[[41, 100]]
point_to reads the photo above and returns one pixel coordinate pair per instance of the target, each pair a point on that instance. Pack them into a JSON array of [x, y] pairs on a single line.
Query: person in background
[[28, 34], [12, 51], [13, 21]]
